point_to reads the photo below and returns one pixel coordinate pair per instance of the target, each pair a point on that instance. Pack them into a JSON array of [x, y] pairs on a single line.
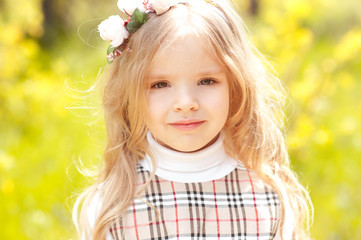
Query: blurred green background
[[50, 55]]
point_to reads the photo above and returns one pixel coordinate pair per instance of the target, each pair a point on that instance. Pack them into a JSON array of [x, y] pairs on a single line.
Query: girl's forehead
[[182, 41], [190, 51]]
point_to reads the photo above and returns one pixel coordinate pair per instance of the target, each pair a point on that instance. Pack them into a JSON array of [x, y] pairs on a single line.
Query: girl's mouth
[[187, 125]]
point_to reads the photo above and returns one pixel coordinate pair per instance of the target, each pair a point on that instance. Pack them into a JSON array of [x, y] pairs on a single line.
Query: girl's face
[[188, 97]]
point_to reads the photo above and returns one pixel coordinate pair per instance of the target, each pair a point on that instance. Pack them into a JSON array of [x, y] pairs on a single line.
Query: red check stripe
[[255, 203], [216, 208], [135, 221], [176, 209], [196, 219]]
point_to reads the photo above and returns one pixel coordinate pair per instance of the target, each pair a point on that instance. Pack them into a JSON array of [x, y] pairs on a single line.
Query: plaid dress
[[237, 206]]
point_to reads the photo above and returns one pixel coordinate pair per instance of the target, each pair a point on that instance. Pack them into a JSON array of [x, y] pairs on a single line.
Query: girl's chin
[[187, 147]]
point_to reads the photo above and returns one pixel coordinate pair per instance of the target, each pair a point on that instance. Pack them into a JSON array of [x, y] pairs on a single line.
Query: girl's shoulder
[[251, 178], [263, 191]]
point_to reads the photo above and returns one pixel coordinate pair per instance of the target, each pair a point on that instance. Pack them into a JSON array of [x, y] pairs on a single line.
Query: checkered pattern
[[237, 206]]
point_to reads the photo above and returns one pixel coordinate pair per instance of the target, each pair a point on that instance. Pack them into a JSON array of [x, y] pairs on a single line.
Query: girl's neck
[[208, 164]]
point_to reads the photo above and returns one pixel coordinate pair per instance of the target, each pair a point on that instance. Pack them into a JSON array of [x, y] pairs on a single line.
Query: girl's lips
[[187, 125]]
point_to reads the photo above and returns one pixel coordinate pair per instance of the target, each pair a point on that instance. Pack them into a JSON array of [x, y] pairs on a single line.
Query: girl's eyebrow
[[205, 72], [158, 76], [211, 71]]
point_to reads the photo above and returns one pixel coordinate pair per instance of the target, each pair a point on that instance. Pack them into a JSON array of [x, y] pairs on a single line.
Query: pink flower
[[128, 6], [112, 29], [161, 6]]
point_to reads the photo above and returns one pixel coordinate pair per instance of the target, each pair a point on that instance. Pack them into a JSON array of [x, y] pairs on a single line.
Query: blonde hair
[[253, 131]]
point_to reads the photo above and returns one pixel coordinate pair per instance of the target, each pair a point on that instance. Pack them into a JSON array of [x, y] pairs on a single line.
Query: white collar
[[207, 164]]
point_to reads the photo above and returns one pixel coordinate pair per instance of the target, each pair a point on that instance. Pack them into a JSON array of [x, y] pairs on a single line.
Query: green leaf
[[110, 49], [137, 20]]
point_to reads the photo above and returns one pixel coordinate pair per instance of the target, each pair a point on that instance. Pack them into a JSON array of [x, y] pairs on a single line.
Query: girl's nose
[[185, 100]]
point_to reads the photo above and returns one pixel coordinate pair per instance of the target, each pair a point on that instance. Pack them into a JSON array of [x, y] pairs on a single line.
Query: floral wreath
[[115, 29]]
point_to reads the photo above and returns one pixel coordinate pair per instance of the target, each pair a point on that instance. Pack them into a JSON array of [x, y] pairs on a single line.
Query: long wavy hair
[[253, 131]]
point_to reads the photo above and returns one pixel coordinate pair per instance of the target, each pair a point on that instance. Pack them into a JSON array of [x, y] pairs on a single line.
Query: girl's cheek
[[158, 98], [216, 96]]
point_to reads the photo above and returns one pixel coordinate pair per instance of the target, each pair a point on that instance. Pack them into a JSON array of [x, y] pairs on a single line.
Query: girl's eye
[[160, 85], [206, 81]]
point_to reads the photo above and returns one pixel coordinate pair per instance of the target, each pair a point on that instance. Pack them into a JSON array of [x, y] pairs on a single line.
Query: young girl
[[194, 142]]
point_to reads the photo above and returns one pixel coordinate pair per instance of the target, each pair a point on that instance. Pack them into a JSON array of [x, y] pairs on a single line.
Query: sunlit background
[[50, 54]]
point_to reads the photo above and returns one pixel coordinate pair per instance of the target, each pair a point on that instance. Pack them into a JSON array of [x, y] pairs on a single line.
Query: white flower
[[128, 6], [112, 29], [161, 6]]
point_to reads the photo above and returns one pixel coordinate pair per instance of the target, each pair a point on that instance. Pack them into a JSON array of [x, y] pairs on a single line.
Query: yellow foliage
[[59, 66], [7, 186], [345, 80], [356, 140], [329, 86], [29, 48], [298, 8], [328, 65], [322, 136], [11, 63], [307, 86], [304, 125], [349, 46], [302, 132], [349, 124], [17, 55], [28, 15], [6, 162], [303, 36], [292, 140], [10, 34]]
